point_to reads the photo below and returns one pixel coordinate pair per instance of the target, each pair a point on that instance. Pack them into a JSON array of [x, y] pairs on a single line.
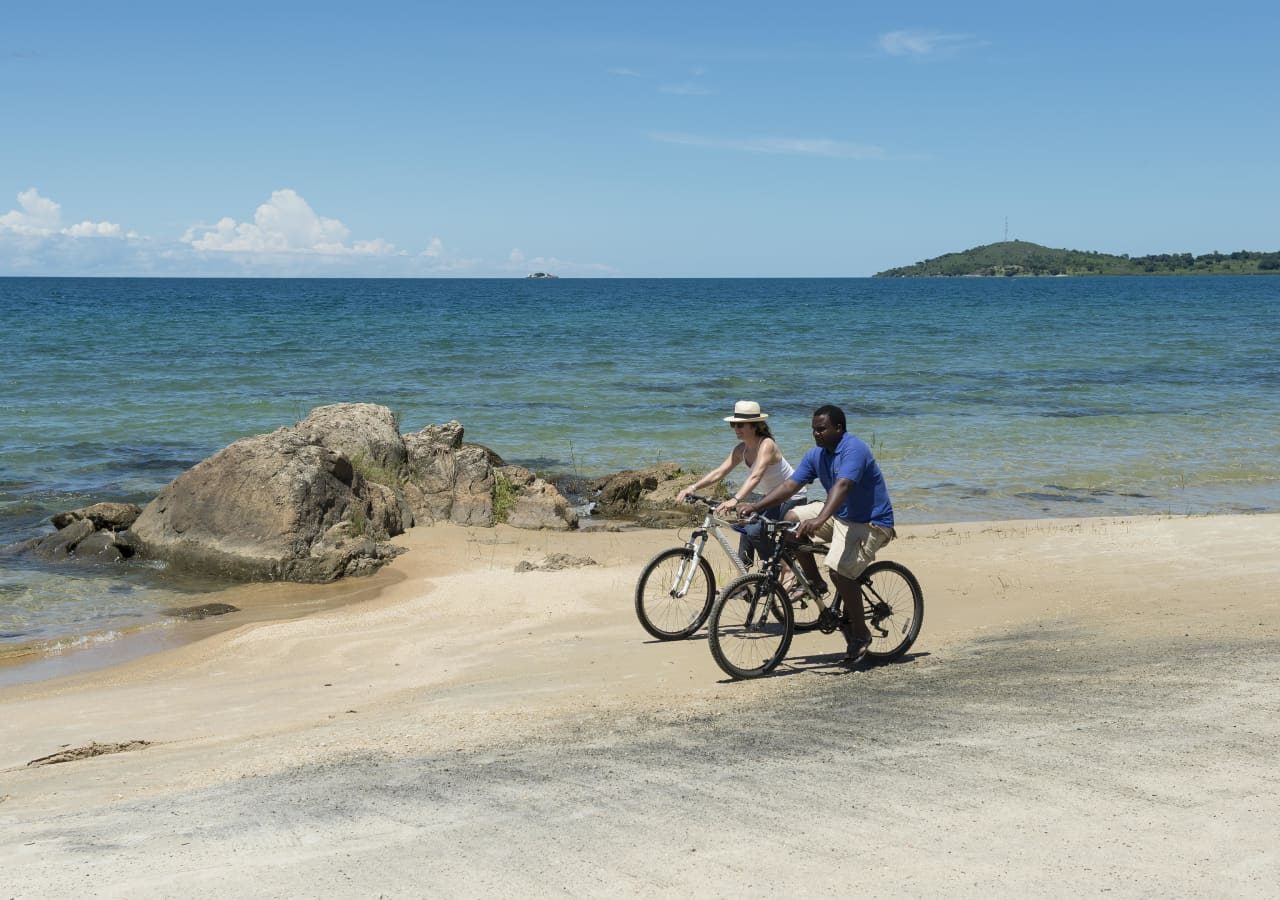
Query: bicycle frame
[[784, 553], [697, 542]]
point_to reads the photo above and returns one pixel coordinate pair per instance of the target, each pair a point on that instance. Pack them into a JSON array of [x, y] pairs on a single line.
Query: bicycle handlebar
[[705, 501]]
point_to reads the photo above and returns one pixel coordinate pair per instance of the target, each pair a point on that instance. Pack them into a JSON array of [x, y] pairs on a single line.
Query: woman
[[757, 450]]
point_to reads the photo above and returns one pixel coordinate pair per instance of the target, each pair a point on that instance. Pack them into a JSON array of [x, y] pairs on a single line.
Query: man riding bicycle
[[856, 518]]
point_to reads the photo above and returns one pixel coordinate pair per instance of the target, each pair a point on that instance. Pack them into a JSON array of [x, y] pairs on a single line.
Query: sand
[[1091, 707]]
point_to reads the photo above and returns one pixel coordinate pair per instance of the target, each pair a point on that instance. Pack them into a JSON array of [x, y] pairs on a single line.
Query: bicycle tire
[[661, 613], [806, 613], [893, 606], [744, 642]]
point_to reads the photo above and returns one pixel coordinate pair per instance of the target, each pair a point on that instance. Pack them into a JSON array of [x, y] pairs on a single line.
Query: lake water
[[982, 398]]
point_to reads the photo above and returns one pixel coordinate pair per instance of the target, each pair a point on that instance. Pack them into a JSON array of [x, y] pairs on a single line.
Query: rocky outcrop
[[312, 502], [449, 481], [93, 533], [646, 496], [283, 505], [111, 516], [365, 433], [468, 484]]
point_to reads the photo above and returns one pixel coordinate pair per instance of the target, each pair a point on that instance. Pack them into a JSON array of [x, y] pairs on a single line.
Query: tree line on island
[[1009, 258]]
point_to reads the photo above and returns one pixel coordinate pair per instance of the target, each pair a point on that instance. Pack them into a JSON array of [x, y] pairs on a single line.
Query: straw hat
[[746, 411]]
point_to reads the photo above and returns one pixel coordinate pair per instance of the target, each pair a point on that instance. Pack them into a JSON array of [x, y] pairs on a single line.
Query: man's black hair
[[834, 413]]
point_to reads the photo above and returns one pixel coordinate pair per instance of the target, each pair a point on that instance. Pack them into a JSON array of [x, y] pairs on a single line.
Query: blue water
[[982, 398]]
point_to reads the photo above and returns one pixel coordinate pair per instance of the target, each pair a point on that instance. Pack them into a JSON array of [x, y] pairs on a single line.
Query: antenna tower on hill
[[1006, 229]]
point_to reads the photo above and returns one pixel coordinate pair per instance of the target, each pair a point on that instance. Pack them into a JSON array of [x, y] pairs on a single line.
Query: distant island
[[541, 275], [1008, 258]]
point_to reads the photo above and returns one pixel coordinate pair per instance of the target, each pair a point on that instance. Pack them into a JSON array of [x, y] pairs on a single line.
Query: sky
[[637, 140]]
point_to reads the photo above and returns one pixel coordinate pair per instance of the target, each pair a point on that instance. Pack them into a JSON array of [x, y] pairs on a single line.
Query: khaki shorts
[[853, 544]]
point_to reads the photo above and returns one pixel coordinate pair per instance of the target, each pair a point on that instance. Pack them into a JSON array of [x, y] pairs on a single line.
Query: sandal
[[857, 653]]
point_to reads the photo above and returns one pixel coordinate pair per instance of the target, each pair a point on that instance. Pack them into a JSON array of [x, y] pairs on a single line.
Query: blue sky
[[655, 139]]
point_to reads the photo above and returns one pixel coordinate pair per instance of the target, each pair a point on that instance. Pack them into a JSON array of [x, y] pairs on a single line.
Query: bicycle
[[677, 587], [754, 619]]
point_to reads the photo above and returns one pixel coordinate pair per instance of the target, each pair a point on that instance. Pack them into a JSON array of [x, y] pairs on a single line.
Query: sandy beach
[[1092, 707]]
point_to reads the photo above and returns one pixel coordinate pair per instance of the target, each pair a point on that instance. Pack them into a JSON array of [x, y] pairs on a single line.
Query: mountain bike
[[755, 617], [677, 587]]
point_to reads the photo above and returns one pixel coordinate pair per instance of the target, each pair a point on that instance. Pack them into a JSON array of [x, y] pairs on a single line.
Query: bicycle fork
[[689, 566]]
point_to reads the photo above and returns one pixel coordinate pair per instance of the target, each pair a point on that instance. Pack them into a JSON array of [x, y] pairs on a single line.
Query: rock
[[625, 489], [555, 562], [100, 546], [472, 487], [492, 455], [203, 611], [445, 437], [64, 540], [266, 507], [448, 483], [537, 504], [364, 433], [113, 516], [646, 495]]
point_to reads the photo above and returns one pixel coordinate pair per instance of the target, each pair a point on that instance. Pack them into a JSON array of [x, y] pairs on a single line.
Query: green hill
[[1026, 258]]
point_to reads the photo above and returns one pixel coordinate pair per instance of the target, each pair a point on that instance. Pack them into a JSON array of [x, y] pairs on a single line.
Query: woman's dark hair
[[762, 429]]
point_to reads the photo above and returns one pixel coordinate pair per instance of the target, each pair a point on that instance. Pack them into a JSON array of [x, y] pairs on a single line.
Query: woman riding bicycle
[[757, 450]]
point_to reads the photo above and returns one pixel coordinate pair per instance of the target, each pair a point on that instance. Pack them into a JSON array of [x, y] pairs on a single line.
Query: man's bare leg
[[807, 562]]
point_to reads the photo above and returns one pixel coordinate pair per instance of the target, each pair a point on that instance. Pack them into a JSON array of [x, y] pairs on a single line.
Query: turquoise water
[[983, 398]]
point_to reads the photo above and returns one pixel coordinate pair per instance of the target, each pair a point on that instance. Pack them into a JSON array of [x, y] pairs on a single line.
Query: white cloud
[[783, 145], [286, 237], [284, 224], [624, 72], [41, 217], [95, 229], [921, 43]]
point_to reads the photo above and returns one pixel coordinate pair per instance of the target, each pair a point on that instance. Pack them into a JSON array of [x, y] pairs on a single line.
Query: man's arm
[[774, 497], [835, 497]]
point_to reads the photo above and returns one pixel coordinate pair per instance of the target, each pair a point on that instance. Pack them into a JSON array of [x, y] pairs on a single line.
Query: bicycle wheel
[[673, 596], [894, 608], [806, 612], [750, 627]]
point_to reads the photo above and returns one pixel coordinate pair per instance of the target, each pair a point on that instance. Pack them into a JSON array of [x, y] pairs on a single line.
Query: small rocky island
[[321, 499]]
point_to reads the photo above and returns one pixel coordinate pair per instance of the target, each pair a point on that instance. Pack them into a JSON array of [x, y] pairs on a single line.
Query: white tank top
[[774, 475]]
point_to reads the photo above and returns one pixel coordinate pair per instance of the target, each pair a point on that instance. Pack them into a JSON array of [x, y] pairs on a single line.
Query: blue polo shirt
[[868, 498]]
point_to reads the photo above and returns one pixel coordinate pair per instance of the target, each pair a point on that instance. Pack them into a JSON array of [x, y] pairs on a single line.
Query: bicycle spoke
[[674, 594], [893, 606], [751, 627]]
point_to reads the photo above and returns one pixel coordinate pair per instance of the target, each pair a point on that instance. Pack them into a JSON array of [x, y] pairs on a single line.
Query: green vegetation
[[504, 497], [358, 525], [1009, 258], [376, 472]]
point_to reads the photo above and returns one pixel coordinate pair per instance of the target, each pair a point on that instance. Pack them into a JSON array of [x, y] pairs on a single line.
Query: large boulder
[[284, 505]]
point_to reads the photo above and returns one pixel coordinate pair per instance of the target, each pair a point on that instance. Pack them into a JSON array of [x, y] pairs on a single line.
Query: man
[[857, 517]]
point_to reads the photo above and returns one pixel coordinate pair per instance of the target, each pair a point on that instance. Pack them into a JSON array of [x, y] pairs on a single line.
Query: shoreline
[[462, 714], [267, 603]]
